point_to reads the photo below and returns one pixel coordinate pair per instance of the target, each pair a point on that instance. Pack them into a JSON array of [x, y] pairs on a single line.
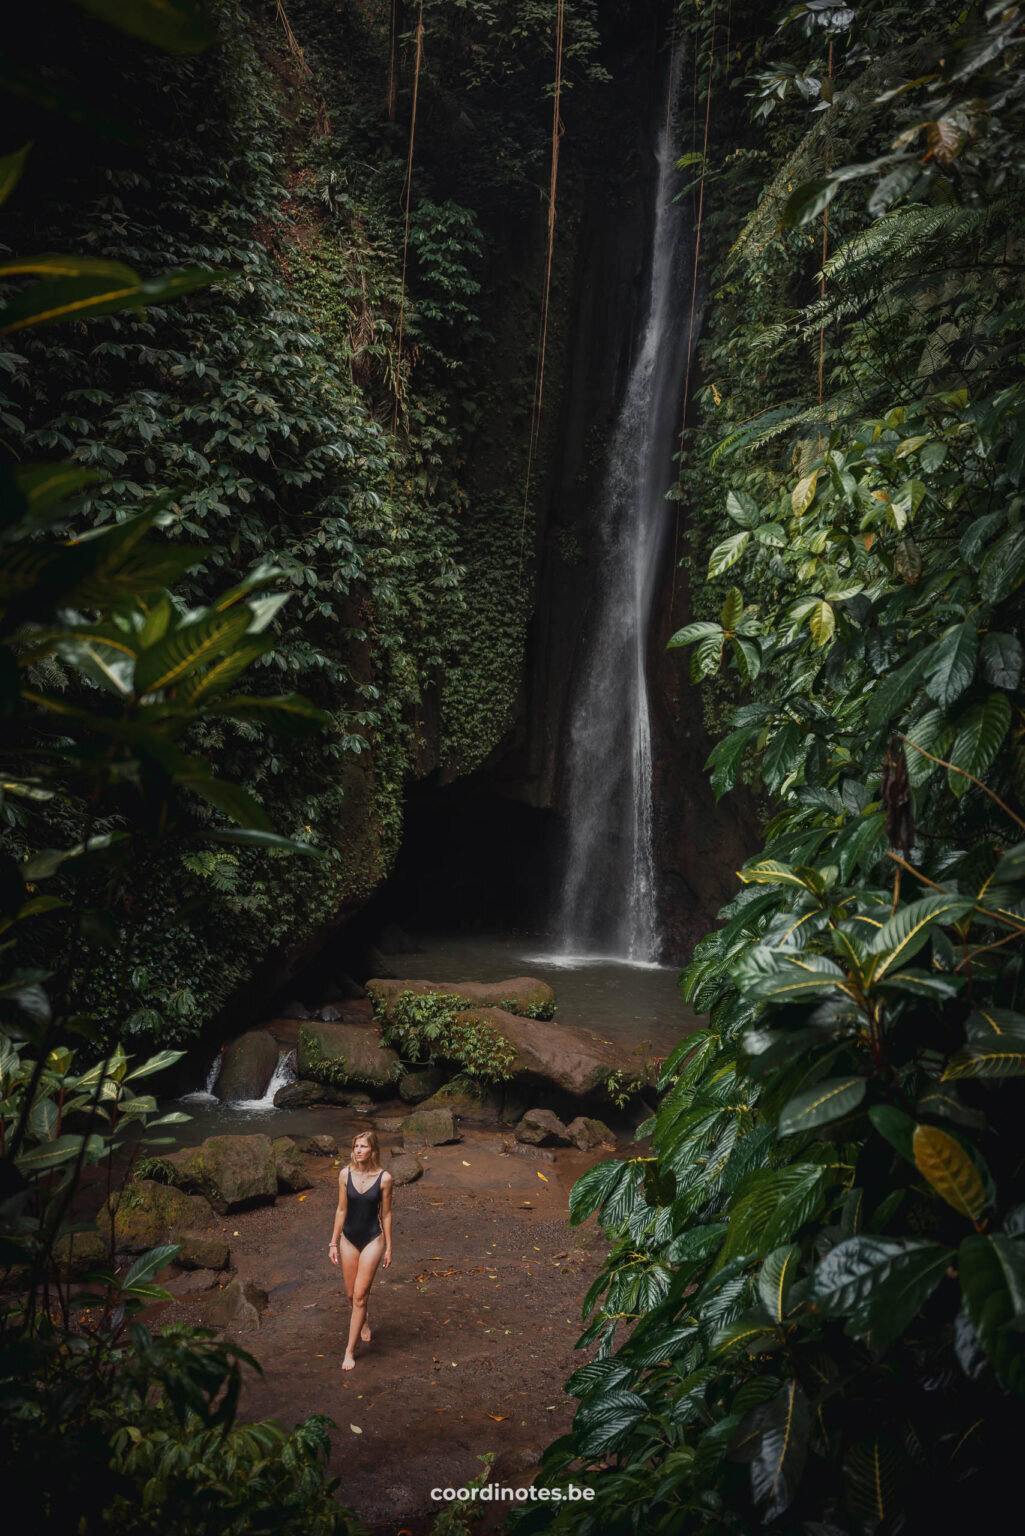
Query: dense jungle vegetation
[[263, 520], [820, 1268]]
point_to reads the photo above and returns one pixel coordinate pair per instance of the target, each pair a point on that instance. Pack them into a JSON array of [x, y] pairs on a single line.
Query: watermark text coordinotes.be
[[499, 1492]]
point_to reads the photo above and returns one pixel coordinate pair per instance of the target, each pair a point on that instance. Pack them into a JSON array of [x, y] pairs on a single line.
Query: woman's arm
[[387, 1184], [343, 1206]]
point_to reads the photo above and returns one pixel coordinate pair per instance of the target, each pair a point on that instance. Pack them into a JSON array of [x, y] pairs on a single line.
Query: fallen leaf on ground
[[465, 1163], [525, 1206], [499, 1418], [302, 1197], [541, 1176], [355, 1429], [436, 1202]]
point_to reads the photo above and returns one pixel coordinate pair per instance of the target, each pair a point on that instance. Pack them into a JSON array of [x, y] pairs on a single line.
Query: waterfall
[[609, 894], [283, 1074], [206, 1095]]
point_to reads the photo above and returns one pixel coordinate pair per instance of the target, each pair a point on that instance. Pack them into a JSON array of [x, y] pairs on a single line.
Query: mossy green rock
[[292, 1175], [231, 1171], [79, 1252], [339, 1054], [586, 1133], [146, 1213], [196, 1251], [419, 1083], [542, 1128], [523, 995], [430, 1127], [563, 1057], [247, 1066], [465, 1102]]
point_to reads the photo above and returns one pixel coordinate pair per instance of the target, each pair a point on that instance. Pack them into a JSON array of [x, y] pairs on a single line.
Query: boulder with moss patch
[[231, 1171], [430, 1127], [344, 1054], [145, 1214], [522, 995], [292, 1175], [247, 1066]]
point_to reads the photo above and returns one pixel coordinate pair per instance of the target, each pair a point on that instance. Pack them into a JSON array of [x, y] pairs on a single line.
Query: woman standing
[[363, 1223]]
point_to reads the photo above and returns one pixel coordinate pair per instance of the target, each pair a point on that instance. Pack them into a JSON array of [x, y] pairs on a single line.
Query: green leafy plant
[[440, 1025]]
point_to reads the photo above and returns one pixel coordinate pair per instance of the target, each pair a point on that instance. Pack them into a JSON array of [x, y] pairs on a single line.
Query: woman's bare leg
[[349, 1255], [369, 1259]]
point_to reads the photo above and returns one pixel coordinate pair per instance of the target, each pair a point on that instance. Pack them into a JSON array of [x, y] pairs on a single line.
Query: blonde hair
[[370, 1137]]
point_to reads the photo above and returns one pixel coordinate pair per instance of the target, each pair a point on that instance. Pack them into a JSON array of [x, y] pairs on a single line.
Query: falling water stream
[[609, 898]]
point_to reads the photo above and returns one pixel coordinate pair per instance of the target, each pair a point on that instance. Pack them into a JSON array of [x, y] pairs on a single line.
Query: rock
[[521, 1149], [231, 1171], [344, 989], [362, 1103], [586, 1133], [340, 1054], [317, 1146], [522, 995], [145, 1214], [404, 1167], [329, 1014], [78, 1252], [566, 1058], [430, 1127], [516, 1468], [198, 1252], [378, 966], [466, 1101], [294, 1010], [288, 1160], [542, 1128], [419, 1083], [237, 1307], [389, 1123], [396, 941], [306, 1094], [247, 1066], [191, 1283]]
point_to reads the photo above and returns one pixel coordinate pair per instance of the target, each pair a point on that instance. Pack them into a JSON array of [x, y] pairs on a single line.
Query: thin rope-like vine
[[405, 237], [825, 253], [539, 372]]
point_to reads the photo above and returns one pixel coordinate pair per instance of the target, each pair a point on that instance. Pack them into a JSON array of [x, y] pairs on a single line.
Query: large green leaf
[[991, 1268], [55, 300], [904, 934], [702, 629], [184, 650], [978, 736], [594, 1188], [879, 1284], [1003, 568], [951, 663], [778, 1464], [11, 168], [896, 689], [725, 758], [1002, 660], [728, 553], [287, 714], [828, 1100], [770, 1207], [776, 1278]]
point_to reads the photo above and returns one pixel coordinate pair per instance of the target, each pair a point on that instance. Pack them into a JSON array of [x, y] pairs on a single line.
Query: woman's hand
[[387, 1258], [332, 1252]]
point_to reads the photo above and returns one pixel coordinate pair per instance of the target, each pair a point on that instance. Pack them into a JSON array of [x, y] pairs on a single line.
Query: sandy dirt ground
[[474, 1325]]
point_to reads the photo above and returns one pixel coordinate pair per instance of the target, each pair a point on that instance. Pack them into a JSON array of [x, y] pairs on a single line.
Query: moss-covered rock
[[542, 1128], [466, 1102], [586, 1133], [430, 1127], [292, 1175], [419, 1083], [79, 1252], [247, 1066], [145, 1214], [341, 1054], [197, 1251], [231, 1171], [566, 1058], [522, 995]]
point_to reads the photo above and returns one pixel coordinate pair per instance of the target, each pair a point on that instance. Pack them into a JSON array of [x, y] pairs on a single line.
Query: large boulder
[[404, 1167], [78, 1252], [237, 1307], [292, 1175], [318, 1146], [145, 1214], [586, 1133], [343, 1054], [565, 1058], [523, 995], [430, 1127], [419, 1083], [247, 1066], [198, 1251], [466, 1101], [542, 1128], [306, 1094], [231, 1171]]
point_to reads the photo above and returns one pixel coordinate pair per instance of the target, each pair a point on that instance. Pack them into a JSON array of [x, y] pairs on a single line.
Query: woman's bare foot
[[365, 1333], [348, 1363]]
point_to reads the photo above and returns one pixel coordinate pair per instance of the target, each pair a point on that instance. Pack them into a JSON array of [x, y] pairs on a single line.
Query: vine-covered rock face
[[231, 1171], [521, 994], [337, 1054], [247, 1066]]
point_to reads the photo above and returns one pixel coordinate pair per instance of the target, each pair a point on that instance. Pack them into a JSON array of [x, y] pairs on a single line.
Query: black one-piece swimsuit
[[362, 1213]]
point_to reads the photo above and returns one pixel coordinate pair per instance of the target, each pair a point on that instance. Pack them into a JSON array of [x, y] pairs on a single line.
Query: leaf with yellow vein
[[950, 1171]]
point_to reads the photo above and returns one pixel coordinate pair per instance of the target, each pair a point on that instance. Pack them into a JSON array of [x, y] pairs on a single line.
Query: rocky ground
[[474, 1323]]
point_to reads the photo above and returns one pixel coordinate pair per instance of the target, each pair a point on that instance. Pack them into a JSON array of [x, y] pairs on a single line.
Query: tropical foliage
[[820, 1266]]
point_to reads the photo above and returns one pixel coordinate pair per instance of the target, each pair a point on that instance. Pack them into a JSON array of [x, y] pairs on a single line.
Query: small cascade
[[284, 1073], [206, 1095]]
